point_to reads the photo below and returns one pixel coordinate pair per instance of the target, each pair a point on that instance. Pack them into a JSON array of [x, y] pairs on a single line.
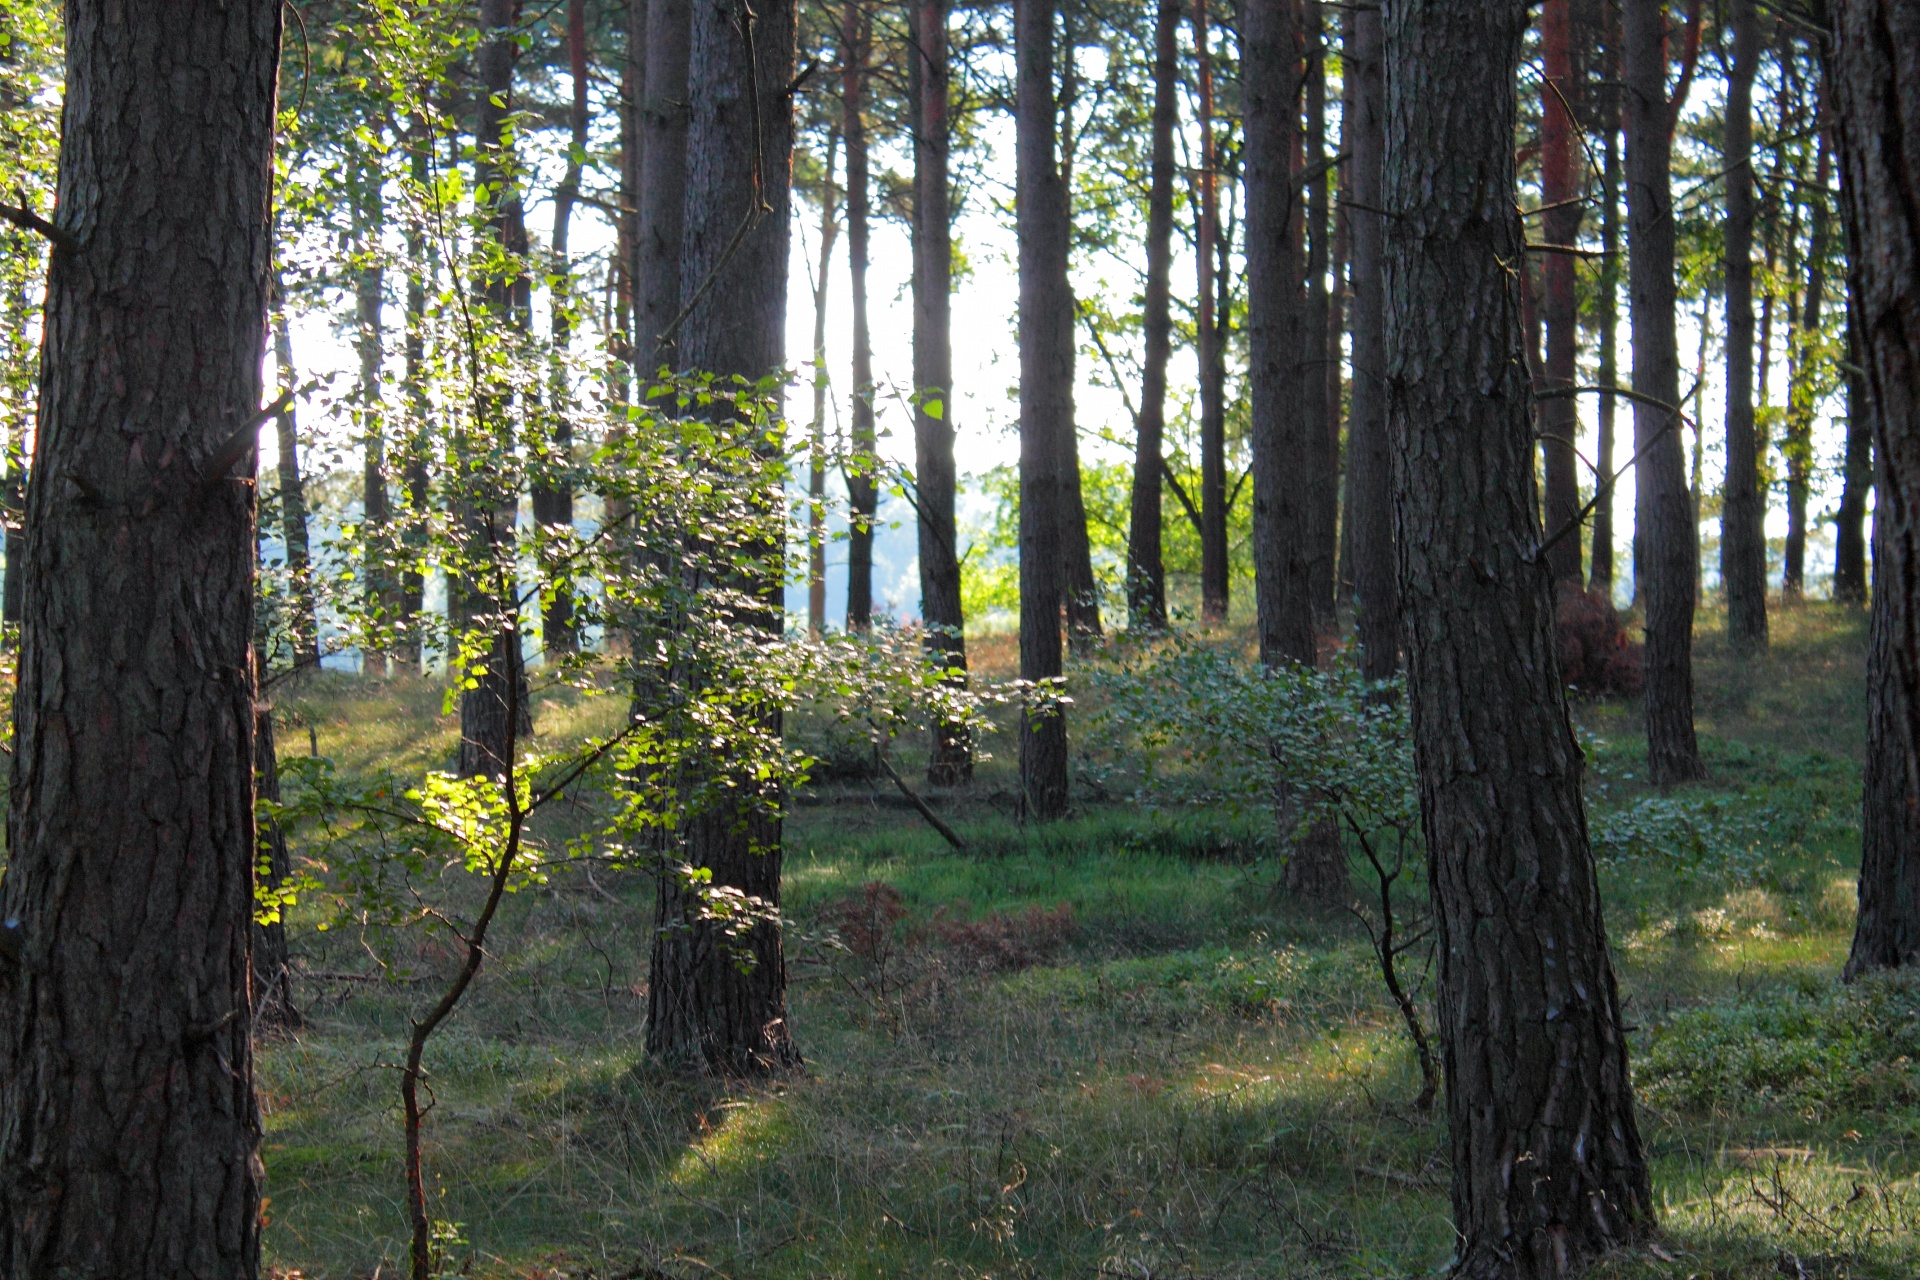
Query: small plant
[[1597, 656]]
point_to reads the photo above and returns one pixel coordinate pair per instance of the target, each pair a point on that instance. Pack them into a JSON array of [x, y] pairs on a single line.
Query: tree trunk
[[1278, 361], [1607, 318], [661, 218], [293, 496], [1886, 932], [1743, 538], [1547, 1164], [817, 430], [1046, 405], [1146, 566], [703, 1010], [1876, 100], [1560, 189], [1663, 515], [950, 757], [1080, 593], [1798, 446], [553, 481], [416, 477], [1376, 588], [129, 1133], [1850, 551], [1214, 568], [272, 972], [863, 489], [369, 288], [1323, 447]]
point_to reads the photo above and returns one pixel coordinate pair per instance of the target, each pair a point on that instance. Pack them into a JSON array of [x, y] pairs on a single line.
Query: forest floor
[[1109, 1047]]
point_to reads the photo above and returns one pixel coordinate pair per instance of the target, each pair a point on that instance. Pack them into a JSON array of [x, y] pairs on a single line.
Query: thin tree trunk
[[553, 482], [863, 489], [1337, 302], [1664, 508], [950, 758], [663, 185], [129, 1131], [1278, 360], [1214, 567], [1607, 317], [369, 285], [1376, 586], [1875, 78], [1850, 552], [1560, 188], [1323, 447], [1080, 593], [293, 494], [1548, 1169], [1146, 565], [416, 478], [817, 432], [704, 1009], [1046, 405], [272, 970], [1743, 545], [1798, 445]]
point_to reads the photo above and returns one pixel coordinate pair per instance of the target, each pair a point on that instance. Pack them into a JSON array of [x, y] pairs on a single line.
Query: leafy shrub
[[1709, 834], [1007, 940], [1596, 655], [1813, 1051]]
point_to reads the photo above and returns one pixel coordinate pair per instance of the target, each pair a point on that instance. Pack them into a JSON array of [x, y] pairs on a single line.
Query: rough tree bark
[[1886, 933], [129, 1133], [1664, 516], [1548, 1169], [1214, 568], [1370, 512], [1278, 363], [950, 757], [1560, 189], [1743, 545], [703, 1009], [661, 218], [1046, 402], [1876, 99], [863, 489], [1146, 566]]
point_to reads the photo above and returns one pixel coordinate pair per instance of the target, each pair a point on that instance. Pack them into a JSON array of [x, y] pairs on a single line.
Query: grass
[[1110, 1047]]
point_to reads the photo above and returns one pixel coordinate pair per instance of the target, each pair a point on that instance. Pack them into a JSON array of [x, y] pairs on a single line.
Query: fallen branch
[[926, 810]]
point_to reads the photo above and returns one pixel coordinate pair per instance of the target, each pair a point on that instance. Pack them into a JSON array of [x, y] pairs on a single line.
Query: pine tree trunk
[[1876, 100], [293, 496], [1323, 447], [415, 476], [553, 483], [129, 1133], [272, 971], [1798, 445], [1886, 932], [1743, 545], [1607, 317], [1560, 188], [1046, 403], [1278, 361], [817, 429], [369, 287], [1547, 1164], [950, 757], [1850, 550], [1146, 564], [1664, 516], [661, 218], [863, 489], [1370, 512], [1214, 567], [704, 1009]]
